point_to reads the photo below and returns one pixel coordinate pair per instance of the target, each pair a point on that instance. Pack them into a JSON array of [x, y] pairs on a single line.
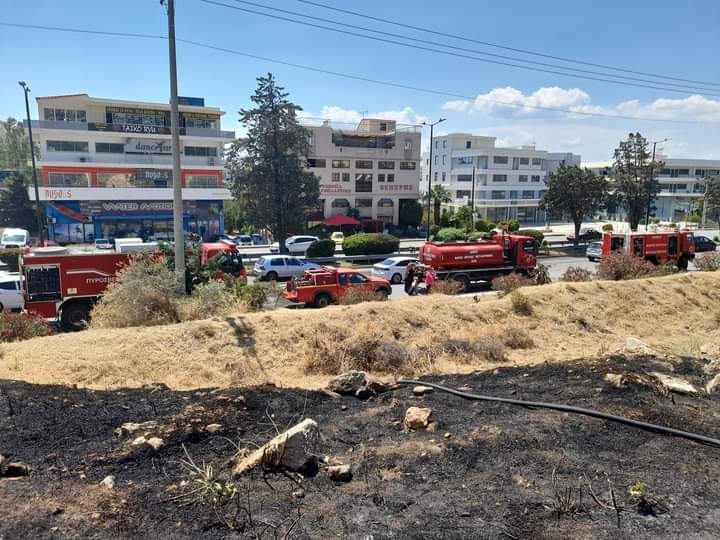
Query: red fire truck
[[65, 286], [469, 262], [677, 247]]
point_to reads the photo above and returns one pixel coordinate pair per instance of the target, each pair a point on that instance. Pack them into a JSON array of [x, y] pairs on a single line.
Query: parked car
[[703, 243], [257, 239], [594, 251], [103, 243], [586, 235], [11, 292], [338, 238], [275, 267], [393, 269], [226, 237], [295, 244], [243, 240]]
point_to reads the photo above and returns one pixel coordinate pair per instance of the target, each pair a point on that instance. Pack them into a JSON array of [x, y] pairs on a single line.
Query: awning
[[340, 220]]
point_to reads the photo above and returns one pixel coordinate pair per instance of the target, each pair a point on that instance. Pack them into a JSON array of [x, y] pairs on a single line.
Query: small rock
[[298, 493], [343, 407], [108, 482], [417, 417], [156, 443], [347, 383], [130, 428], [674, 384], [447, 435], [713, 385], [213, 428], [432, 427], [15, 470], [340, 473], [712, 367], [95, 515], [139, 441], [634, 345], [82, 476], [54, 529], [422, 390]]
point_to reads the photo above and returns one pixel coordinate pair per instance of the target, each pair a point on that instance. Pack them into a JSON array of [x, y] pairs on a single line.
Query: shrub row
[[370, 244], [321, 248], [20, 326]]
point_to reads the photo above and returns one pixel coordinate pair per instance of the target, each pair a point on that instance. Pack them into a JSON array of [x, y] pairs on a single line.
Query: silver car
[[276, 267], [594, 251], [393, 269], [296, 245]]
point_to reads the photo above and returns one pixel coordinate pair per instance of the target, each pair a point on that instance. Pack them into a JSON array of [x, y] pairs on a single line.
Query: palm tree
[[440, 195]]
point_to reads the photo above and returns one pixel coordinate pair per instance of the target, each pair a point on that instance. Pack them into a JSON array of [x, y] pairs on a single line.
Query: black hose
[[577, 410]]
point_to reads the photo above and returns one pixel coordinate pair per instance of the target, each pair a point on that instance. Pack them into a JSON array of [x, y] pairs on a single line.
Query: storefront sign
[[334, 189], [131, 128], [154, 174], [55, 194], [147, 146]]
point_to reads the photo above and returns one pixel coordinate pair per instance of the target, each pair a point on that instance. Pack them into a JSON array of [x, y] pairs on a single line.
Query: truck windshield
[[530, 246], [14, 239]]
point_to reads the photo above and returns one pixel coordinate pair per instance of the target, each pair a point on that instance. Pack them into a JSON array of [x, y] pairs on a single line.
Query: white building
[[374, 168], [107, 167], [509, 182], [682, 183]]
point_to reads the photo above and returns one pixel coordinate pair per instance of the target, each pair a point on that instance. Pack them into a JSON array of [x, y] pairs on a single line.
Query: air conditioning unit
[[83, 160]]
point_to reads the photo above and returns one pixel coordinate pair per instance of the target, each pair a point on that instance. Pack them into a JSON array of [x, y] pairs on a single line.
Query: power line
[[448, 53], [475, 51], [505, 47], [357, 77]]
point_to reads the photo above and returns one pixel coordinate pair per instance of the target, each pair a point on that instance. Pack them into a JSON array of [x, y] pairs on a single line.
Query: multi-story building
[[374, 168], [509, 182], [682, 183], [106, 167]]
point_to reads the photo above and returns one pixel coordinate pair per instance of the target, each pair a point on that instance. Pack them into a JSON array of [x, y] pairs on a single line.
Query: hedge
[[449, 234], [321, 248], [10, 257], [539, 236], [370, 244], [512, 225]]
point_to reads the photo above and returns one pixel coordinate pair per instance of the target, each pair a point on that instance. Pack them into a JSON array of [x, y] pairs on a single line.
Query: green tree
[[462, 218], [711, 199], [411, 213], [574, 193], [234, 215], [16, 209], [268, 166], [635, 183], [14, 146], [440, 195]]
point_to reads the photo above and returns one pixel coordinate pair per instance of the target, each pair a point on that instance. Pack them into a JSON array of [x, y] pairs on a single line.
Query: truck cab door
[[638, 246]]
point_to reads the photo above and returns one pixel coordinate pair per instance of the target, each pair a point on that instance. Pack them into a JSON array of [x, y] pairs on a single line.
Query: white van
[[14, 238]]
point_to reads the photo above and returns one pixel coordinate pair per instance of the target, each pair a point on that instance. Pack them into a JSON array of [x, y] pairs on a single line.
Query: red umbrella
[[340, 220]]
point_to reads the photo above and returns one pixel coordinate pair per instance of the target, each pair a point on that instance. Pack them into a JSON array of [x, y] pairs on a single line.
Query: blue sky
[[673, 38]]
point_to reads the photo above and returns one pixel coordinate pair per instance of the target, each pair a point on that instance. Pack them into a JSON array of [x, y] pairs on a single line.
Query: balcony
[[129, 159], [131, 130]]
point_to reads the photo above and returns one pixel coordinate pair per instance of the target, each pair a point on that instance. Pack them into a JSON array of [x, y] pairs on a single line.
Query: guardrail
[[252, 257]]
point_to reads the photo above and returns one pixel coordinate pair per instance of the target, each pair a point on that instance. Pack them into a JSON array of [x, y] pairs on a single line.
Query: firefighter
[[409, 278]]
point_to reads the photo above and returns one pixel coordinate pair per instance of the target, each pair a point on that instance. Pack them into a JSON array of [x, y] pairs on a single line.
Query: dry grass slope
[[677, 313]]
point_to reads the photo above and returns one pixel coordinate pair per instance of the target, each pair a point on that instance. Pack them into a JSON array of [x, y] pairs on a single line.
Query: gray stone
[[713, 385], [213, 428], [340, 473], [674, 384], [15, 470], [108, 482], [417, 417], [634, 345], [347, 383], [712, 367], [130, 428], [422, 390]]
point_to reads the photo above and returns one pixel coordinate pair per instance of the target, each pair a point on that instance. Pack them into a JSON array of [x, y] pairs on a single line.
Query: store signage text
[[334, 189], [56, 194], [130, 206], [132, 128], [147, 146]]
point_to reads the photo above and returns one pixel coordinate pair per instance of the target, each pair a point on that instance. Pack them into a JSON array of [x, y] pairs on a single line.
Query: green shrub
[[510, 282], [370, 244], [654, 221], [608, 227], [693, 219], [482, 225], [618, 266], [256, 295], [450, 234], [21, 326], [434, 229], [11, 258], [716, 239], [539, 236], [576, 274], [520, 303], [708, 262], [492, 225], [477, 236], [512, 225], [321, 248]]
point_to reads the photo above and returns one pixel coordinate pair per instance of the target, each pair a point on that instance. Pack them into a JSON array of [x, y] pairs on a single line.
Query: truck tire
[[463, 281], [322, 300], [75, 316], [381, 294], [271, 276]]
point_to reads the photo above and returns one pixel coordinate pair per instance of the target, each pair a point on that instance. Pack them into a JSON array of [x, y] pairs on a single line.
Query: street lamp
[[26, 90], [429, 193], [652, 175]]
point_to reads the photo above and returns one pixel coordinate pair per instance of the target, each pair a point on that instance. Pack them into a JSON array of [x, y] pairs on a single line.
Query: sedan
[[275, 267], [393, 269], [594, 251], [243, 240], [703, 243], [103, 243], [586, 235], [11, 292], [295, 244]]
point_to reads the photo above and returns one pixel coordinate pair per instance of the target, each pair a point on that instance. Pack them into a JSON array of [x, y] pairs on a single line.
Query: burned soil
[[488, 470]]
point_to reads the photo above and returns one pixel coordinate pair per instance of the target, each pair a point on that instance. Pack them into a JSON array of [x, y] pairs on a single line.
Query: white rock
[[130, 428], [674, 384], [108, 482], [340, 473], [417, 417], [634, 345], [213, 428], [139, 441], [155, 442], [713, 385], [422, 390]]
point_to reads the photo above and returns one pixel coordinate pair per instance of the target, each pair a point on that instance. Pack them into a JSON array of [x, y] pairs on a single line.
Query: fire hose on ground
[[575, 410]]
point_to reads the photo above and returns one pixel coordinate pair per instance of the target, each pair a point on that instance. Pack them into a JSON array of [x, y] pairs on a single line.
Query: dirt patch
[[491, 478]]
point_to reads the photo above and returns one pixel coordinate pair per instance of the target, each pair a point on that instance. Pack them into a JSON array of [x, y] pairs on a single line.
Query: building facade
[[374, 168], [682, 183], [106, 168], [509, 182]]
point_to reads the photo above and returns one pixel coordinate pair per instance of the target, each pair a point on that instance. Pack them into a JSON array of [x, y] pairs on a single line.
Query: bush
[[513, 225], [256, 295], [576, 273], [434, 229], [321, 248], [357, 295], [510, 282], [673, 225], [517, 338], [478, 236], [716, 239], [520, 303], [21, 326], [539, 236], [608, 227], [450, 234], [487, 348], [541, 275], [370, 244], [693, 219], [448, 287], [210, 299], [11, 258], [708, 262], [483, 225], [618, 266]]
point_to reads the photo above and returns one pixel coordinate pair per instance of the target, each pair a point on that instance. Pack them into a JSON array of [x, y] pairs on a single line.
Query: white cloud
[[336, 113]]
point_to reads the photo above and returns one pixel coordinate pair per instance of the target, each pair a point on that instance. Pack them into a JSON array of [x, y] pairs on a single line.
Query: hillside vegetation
[[436, 334]]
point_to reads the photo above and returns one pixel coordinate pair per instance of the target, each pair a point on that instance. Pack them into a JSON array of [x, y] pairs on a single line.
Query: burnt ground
[[491, 477]]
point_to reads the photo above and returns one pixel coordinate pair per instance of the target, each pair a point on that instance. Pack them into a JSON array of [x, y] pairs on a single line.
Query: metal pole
[[429, 194], [472, 200], [38, 213], [178, 230]]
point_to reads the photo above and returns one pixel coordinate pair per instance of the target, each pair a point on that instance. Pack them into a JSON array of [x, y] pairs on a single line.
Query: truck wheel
[[381, 294], [271, 276], [321, 301], [396, 278], [463, 281], [75, 316]]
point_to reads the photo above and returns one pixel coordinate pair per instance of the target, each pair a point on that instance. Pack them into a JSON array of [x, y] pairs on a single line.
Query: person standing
[[429, 279], [409, 278]]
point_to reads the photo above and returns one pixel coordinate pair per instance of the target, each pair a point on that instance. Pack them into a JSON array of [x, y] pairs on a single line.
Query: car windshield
[[16, 238], [388, 262]]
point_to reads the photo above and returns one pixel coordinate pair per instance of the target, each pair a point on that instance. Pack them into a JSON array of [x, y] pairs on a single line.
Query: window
[[464, 178], [499, 177], [437, 144], [528, 194], [363, 164], [523, 178], [67, 146], [363, 203], [535, 178], [313, 163], [443, 177], [467, 160], [116, 180], [513, 194], [201, 181], [381, 177], [500, 159], [65, 115], [346, 177], [363, 182], [207, 151], [383, 126], [391, 177], [109, 148], [436, 176], [335, 177], [497, 195], [69, 179], [537, 161], [8, 285], [462, 194], [407, 165], [436, 161], [524, 161], [277, 262], [444, 144], [468, 144], [444, 157], [386, 164], [357, 279], [292, 261], [340, 163], [408, 145]]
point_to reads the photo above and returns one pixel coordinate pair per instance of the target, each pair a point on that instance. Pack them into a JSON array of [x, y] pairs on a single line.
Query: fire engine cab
[[660, 247]]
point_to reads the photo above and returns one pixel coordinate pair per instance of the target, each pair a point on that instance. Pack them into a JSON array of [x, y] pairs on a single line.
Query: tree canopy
[[268, 166], [16, 209], [712, 198]]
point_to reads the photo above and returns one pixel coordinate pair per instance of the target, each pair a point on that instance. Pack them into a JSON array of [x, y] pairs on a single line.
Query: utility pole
[[178, 230], [38, 213], [472, 200], [652, 176], [429, 193], [702, 220]]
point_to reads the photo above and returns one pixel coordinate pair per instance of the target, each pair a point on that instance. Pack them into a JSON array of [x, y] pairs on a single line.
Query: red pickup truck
[[323, 286]]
